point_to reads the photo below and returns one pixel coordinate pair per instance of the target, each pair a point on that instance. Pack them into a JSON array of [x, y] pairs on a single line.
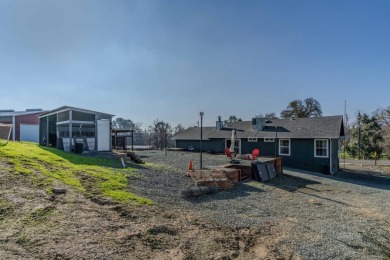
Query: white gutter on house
[[331, 157]]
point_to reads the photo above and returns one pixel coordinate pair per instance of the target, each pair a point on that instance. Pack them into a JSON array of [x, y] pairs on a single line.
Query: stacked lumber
[[215, 177]]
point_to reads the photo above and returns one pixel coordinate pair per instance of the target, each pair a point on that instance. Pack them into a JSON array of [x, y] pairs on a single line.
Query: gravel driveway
[[316, 216]]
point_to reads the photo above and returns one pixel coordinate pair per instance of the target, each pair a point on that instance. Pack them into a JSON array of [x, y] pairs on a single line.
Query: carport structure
[[65, 126]]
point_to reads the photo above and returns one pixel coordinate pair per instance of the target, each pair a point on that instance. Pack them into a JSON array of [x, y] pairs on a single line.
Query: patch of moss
[[106, 174], [255, 184], [38, 216], [123, 196], [6, 208], [161, 167]]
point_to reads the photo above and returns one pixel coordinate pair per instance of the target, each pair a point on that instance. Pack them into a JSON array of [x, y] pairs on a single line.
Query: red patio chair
[[255, 154], [229, 155]]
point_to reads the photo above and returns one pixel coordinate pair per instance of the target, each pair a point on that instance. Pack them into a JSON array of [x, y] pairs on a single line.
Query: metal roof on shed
[[65, 108], [19, 113]]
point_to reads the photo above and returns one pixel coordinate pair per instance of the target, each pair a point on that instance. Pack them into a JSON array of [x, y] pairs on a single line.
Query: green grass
[[345, 155], [255, 184], [38, 216], [103, 175]]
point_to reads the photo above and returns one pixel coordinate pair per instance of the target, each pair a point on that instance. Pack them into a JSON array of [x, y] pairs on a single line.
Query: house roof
[[193, 133], [300, 128], [66, 108], [20, 113]]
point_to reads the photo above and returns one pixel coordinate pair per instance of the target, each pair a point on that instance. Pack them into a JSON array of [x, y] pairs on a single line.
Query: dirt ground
[[309, 216], [35, 225]]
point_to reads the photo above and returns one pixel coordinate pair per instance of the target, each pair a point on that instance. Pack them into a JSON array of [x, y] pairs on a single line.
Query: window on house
[[252, 139], [284, 146], [269, 140], [320, 148]]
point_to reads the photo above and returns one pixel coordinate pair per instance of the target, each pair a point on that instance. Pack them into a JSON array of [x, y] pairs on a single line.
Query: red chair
[[229, 155], [255, 154]]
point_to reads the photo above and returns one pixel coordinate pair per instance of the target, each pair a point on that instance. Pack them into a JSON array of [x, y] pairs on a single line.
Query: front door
[[103, 135]]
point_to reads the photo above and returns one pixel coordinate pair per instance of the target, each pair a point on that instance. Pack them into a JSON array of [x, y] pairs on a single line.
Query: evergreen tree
[[370, 137]]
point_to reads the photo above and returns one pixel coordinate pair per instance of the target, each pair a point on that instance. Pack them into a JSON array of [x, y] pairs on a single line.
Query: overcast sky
[[170, 60]]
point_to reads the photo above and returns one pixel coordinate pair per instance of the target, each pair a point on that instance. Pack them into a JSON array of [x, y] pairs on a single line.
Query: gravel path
[[317, 216]]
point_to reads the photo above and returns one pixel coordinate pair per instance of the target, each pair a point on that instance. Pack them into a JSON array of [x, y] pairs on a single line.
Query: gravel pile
[[317, 216]]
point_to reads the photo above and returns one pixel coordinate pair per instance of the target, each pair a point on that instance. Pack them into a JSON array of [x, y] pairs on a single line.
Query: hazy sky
[[170, 60]]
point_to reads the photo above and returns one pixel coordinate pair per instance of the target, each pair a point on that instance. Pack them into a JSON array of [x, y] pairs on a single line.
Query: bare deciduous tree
[[232, 119], [383, 115], [178, 129], [160, 133], [270, 116]]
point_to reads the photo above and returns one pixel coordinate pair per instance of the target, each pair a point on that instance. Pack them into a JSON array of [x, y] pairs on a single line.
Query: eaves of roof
[[67, 108]]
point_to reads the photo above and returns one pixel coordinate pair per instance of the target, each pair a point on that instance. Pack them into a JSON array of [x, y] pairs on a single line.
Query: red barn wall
[[30, 119]]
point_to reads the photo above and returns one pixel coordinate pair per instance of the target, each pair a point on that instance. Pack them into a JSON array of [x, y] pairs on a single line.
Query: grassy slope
[[94, 175]]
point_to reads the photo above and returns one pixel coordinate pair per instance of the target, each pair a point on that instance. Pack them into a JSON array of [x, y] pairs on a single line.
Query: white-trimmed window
[[252, 140], [321, 148], [284, 146], [269, 140]]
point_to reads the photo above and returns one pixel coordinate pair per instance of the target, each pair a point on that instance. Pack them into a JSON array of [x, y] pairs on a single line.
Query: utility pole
[[201, 137], [165, 139], [359, 135], [345, 129]]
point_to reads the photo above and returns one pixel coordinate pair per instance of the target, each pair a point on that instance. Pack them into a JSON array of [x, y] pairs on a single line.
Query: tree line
[[369, 135], [158, 135]]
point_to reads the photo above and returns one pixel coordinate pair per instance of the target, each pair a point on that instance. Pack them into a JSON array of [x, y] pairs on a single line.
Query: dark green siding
[[302, 157], [42, 130], [266, 148], [301, 153]]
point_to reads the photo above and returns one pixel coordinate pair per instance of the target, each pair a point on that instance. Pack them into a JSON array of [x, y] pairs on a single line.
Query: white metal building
[[65, 126]]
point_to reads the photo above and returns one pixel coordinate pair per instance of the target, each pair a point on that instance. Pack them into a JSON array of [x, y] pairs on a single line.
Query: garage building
[[25, 124]]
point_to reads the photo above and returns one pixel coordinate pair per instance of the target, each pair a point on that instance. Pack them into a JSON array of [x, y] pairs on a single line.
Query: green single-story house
[[305, 143]]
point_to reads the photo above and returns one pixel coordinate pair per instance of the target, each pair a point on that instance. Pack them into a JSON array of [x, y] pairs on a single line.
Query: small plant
[[38, 216], [6, 209]]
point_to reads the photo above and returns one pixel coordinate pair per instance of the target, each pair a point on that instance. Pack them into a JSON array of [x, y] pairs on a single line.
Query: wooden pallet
[[215, 177]]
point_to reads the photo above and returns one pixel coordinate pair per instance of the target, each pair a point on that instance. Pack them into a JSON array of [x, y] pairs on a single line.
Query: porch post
[[13, 128], [70, 130], [47, 131]]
